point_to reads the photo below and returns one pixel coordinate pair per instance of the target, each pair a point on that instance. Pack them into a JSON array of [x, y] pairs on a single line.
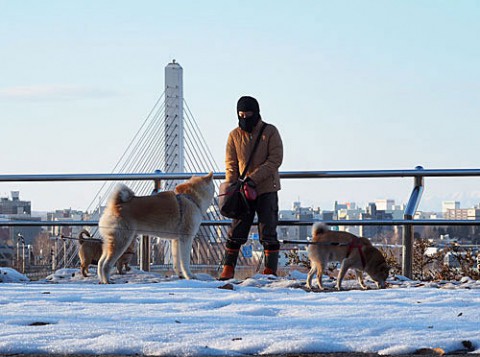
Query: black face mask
[[247, 124]]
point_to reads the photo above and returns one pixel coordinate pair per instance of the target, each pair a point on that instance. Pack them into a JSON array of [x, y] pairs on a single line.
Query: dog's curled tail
[[121, 194], [319, 228], [81, 236]]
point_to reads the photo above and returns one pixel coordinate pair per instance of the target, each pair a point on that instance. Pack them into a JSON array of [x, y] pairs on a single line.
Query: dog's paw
[[106, 282]]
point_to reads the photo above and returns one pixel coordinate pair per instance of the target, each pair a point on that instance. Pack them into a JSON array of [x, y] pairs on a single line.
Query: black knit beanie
[[248, 104]]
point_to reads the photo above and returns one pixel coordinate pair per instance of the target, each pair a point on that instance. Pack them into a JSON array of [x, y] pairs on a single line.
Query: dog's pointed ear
[[210, 175]]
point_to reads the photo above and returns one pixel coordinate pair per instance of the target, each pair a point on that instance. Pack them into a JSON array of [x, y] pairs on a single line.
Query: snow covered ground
[[146, 313]]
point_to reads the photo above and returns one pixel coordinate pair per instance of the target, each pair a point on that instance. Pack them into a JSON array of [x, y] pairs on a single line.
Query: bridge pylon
[[173, 124]]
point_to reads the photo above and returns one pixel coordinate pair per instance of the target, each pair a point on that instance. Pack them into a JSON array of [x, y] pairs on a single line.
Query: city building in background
[[446, 205], [14, 206], [16, 241]]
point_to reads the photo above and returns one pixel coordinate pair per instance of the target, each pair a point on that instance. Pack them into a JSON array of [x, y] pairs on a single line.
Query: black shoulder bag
[[231, 200]]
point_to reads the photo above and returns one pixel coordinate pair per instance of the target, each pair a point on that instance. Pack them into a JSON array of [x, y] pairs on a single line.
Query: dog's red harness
[[356, 243]]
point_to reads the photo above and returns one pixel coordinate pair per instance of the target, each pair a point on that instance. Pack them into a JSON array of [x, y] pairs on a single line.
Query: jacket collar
[[257, 127]]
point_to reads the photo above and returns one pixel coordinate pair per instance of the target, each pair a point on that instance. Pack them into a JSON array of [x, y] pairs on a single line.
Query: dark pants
[[266, 207]]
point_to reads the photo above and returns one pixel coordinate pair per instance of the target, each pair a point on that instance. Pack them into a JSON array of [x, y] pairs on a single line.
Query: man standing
[[262, 175]]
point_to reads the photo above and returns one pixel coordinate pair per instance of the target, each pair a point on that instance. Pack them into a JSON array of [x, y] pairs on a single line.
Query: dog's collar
[[180, 205], [187, 196]]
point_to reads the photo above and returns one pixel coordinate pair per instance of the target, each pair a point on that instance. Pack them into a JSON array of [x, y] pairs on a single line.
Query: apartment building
[[15, 205], [462, 214]]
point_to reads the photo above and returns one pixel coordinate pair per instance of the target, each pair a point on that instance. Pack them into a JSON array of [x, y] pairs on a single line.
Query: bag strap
[[242, 176]]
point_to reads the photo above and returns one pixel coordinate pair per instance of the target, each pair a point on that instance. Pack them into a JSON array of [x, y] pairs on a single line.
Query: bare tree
[[42, 247]]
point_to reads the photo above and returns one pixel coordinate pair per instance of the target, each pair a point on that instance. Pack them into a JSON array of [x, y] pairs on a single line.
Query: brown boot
[[228, 273], [271, 262], [229, 263]]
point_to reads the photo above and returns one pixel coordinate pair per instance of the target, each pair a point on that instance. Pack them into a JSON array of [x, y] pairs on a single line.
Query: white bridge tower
[[173, 124]]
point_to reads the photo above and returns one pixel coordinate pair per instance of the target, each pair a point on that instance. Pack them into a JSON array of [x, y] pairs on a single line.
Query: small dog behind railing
[[91, 250], [353, 252]]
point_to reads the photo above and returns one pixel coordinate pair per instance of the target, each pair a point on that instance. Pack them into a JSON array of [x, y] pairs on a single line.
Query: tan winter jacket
[[263, 169]]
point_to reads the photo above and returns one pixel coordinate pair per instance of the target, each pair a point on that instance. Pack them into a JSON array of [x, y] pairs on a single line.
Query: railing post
[[407, 250], [157, 184], [408, 229], [145, 248], [145, 253], [55, 255]]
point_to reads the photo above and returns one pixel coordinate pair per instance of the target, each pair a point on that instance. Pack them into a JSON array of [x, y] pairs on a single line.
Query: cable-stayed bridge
[[169, 140]]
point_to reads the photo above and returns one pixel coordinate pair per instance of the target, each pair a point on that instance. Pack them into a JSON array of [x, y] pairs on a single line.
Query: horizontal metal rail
[[353, 222], [418, 172]]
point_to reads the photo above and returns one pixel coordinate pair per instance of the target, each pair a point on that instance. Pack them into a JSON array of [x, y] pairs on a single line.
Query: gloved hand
[[250, 182]]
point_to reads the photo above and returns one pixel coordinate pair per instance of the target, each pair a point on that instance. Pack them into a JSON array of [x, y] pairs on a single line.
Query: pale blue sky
[[349, 84]]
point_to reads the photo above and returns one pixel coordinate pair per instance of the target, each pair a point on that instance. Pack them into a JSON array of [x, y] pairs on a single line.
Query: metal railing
[[408, 221]]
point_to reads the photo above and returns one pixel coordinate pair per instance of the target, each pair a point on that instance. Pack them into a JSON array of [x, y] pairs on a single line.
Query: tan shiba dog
[[91, 250], [352, 251], [174, 215]]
